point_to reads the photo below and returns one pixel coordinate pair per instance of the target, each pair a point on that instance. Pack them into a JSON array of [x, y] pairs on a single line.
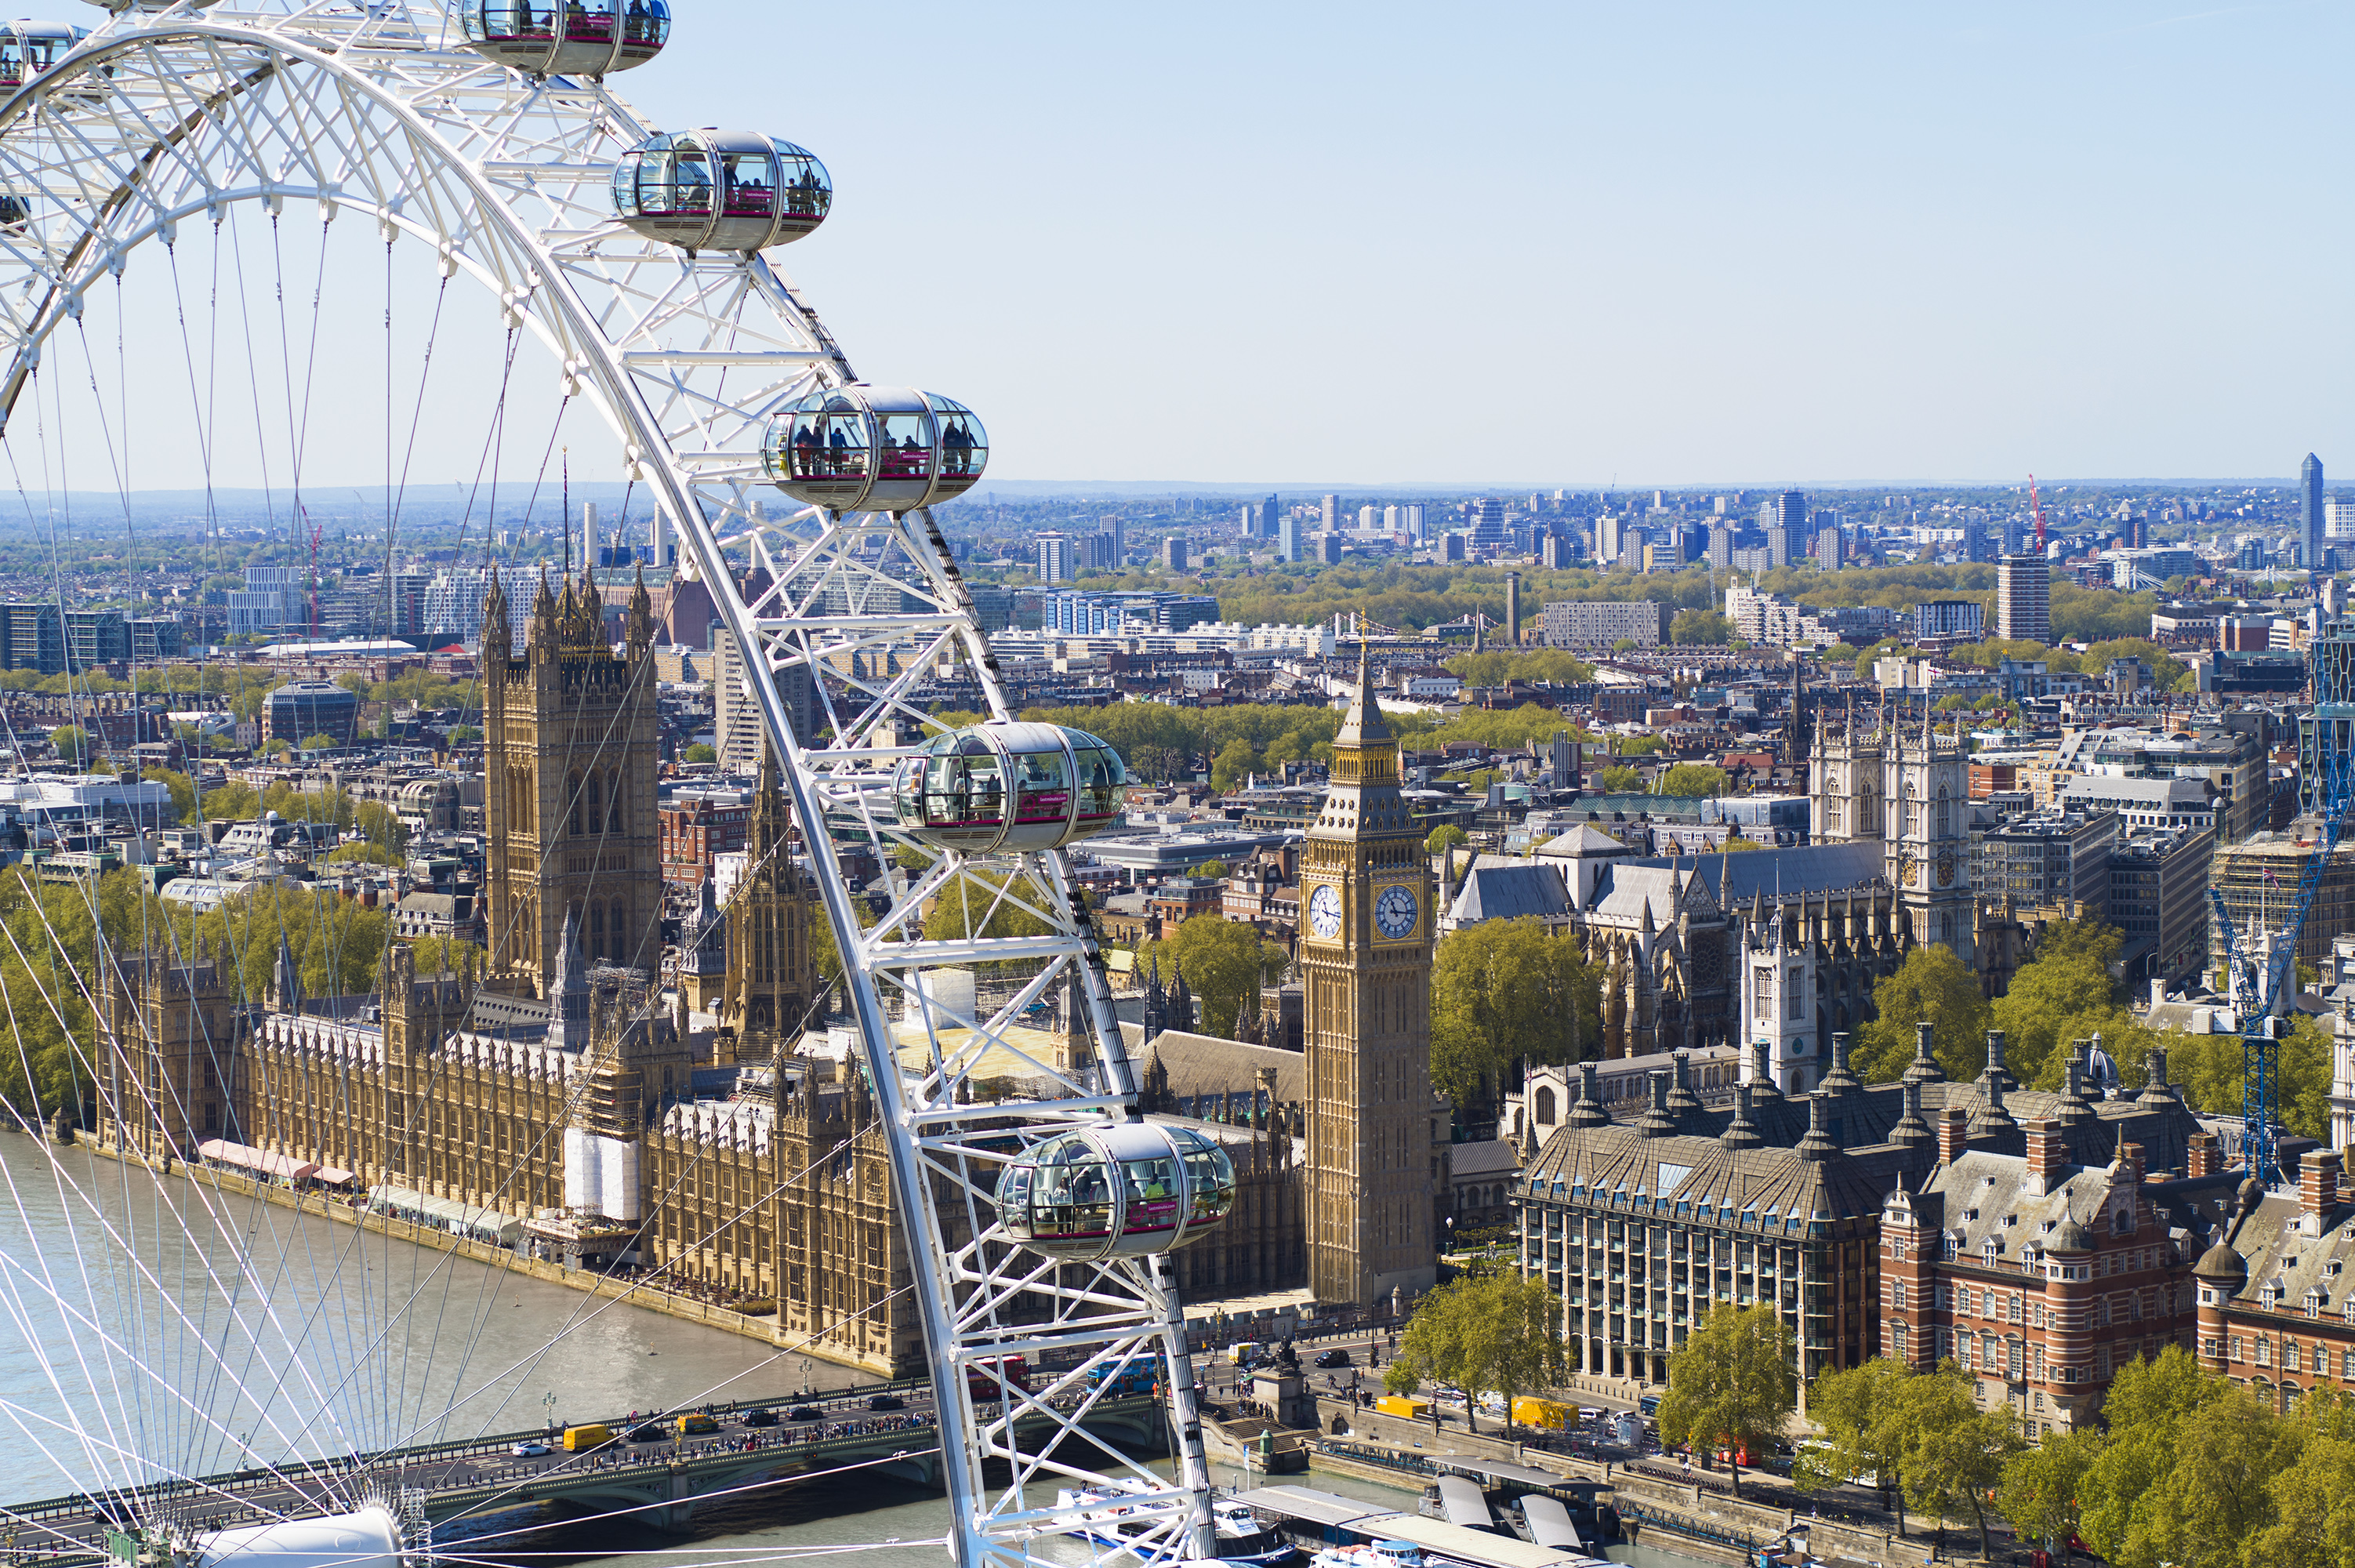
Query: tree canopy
[[1508, 990], [1223, 961], [1932, 985], [1493, 1333], [1691, 778], [1730, 1383]]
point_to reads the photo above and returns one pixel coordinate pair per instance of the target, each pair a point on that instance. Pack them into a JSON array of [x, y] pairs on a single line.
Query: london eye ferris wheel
[[481, 145]]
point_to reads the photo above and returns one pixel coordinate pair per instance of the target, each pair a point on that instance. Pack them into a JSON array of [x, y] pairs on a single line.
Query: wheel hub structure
[[383, 115]]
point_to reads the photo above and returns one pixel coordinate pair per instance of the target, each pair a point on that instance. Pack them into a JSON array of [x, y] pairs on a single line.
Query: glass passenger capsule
[[567, 38], [878, 449], [29, 48], [720, 190], [1008, 786], [1122, 1191]]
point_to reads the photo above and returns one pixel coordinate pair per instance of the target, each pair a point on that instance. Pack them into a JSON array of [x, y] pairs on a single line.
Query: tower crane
[[2263, 969], [2035, 508]]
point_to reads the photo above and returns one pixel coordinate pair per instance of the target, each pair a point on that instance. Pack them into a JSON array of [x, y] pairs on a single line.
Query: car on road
[[805, 1413], [1649, 1404], [528, 1450], [886, 1402], [649, 1432], [1336, 1357], [762, 1416]]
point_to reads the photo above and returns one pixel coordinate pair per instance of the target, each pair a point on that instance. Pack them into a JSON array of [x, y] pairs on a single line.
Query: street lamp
[[549, 1399]]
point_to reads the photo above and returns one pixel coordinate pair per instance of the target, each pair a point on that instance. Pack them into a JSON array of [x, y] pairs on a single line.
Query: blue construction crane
[[2327, 755]]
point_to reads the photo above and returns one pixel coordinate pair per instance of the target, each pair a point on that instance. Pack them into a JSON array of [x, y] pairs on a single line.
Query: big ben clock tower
[[1365, 953]]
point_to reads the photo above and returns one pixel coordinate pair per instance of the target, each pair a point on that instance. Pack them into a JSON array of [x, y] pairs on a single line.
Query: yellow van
[[580, 1439], [1412, 1406], [694, 1424]]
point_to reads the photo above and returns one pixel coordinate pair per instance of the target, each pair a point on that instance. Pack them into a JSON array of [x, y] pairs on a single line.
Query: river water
[[288, 1335]]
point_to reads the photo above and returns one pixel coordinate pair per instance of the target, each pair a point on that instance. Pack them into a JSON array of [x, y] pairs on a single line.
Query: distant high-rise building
[[1791, 510], [1826, 549], [1328, 548], [2338, 519], [1486, 510], [1332, 508], [2309, 484], [1948, 618], [1719, 549], [1117, 526], [1173, 553], [1411, 521], [1287, 538], [2023, 599], [1367, 518], [1455, 547], [1782, 545], [1101, 552], [1269, 513], [1054, 558], [1559, 550], [1610, 539]]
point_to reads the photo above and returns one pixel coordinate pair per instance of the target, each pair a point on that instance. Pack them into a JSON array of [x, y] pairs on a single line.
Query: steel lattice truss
[[379, 115]]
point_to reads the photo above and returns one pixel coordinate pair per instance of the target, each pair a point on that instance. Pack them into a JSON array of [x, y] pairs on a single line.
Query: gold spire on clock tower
[[1365, 953]]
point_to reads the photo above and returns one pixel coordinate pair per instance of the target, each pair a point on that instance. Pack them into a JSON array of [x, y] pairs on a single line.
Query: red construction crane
[[2035, 507]]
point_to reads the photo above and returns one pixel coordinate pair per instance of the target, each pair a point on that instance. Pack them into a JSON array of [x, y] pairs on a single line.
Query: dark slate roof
[[1507, 893], [1703, 1170], [1205, 1064], [1484, 1157], [1815, 868]]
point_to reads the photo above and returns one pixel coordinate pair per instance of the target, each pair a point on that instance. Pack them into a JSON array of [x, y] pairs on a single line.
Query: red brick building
[[695, 831], [2041, 1278], [2276, 1310]]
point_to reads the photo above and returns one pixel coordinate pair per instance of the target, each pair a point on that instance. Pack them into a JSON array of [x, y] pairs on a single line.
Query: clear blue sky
[[1564, 242], [1374, 244]]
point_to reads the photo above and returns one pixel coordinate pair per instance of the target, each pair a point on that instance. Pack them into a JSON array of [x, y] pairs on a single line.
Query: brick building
[[2276, 1310], [694, 831], [2041, 1276]]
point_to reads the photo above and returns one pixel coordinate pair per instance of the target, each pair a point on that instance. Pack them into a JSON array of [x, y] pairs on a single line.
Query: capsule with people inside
[[29, 49], [566, 37], [1126, 1190], [1008, 784], [875, 449], [720, 190]]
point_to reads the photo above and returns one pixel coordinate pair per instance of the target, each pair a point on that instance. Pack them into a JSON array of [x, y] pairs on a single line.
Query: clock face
[[1395, 912], [1325, 910]]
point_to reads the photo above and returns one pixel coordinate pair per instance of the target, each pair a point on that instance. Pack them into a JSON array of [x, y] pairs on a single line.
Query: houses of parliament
[[579, 1091]]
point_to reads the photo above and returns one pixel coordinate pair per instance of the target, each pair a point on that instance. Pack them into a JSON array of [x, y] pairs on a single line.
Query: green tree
[[1622, 780], [2314, 1498], [320, 742], [2146, 1407], [1701, 627], [72, 743], [1731, 1382], [1690, 779], [231, 801], [1494, 1333], [182, 788], [1234, 761], [1931, 986], [1504, 990], [1443, 837], [699, 752], [464, 735], [2041, 1485], [1954, 1452], [1736, 844], [1223, 961], [383, 826], [1862, 1411], [1623, 644], [2065, 993], [2217, 1494], [360, 849]]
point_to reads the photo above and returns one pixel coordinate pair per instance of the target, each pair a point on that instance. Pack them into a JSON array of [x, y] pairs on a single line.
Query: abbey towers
[[1909, 789]]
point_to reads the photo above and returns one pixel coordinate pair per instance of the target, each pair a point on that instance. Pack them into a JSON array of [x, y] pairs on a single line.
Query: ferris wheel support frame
[[571, 282]]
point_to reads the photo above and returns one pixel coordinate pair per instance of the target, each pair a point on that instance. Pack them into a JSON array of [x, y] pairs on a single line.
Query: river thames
[[331, 1338]]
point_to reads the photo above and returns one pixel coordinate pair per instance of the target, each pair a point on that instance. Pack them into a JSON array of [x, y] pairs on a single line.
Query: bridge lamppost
[[549, 1399]]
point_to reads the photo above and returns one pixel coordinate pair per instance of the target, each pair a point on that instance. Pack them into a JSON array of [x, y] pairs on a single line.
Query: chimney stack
[[1953, 1133], [2199, 1154], [2047, 1153], [2317, 1190]]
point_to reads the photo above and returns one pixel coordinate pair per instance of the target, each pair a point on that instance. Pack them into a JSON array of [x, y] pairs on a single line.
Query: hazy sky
[[1367, 244]]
